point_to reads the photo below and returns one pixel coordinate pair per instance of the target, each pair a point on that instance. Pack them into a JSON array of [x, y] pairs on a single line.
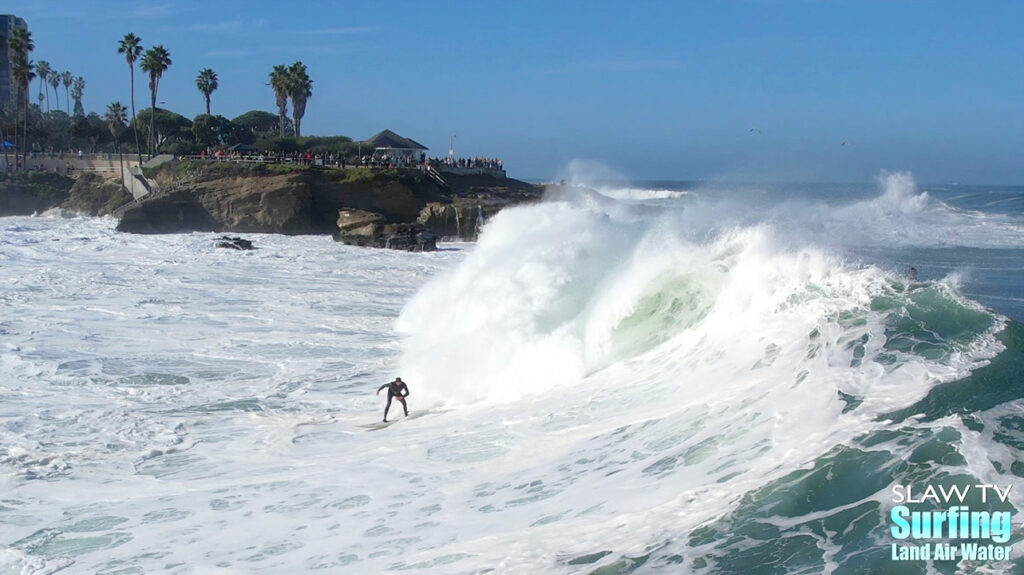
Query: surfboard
[[381, 425]]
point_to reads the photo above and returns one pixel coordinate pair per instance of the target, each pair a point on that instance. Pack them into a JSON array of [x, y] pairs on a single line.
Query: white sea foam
[[599, 378]]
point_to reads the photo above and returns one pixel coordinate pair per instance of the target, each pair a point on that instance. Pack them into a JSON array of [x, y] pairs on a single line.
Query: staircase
[[436, 176]]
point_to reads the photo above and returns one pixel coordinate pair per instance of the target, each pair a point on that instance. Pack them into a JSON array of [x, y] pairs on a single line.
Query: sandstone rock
[[168, 213], [226, 197], [28, 192], [368, 229], [93, 195], [358, 222]]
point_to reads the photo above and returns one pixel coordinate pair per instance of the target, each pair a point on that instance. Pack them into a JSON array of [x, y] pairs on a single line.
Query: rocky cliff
[[227, 197], [93, 195], [26, 193]]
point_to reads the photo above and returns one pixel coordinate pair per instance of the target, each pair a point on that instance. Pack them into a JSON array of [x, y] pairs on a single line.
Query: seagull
[[758, 130]]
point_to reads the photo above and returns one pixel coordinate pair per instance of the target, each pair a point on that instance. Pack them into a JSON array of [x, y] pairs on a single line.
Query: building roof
[[389, 139]]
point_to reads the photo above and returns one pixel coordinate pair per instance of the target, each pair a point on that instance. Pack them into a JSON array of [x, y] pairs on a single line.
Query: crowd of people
[[375, 160], [478, 162], [304, 158]]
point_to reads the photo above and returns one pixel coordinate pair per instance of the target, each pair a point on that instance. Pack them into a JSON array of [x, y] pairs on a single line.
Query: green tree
[[20, 45], [300, 89], [43, 71], [54, 83], [3, 133], [89, 129], [131, 47], [206, 81], [168, 126], [116, 118], [215, 130], [280, 145], [155, 62], [77, 89], [281, 84], [54, 130], [67, 79], [259, 124], [23, 74]]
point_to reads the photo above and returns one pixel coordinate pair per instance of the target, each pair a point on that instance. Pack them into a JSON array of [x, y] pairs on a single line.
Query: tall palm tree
[[43, 71], [300, 88], [20, 44], [280, 82], [116, 118], [77, 89], [23, 74], [67, 79], [3, 134], [155, 62], [131, 47], [206, 81], [54, 83]]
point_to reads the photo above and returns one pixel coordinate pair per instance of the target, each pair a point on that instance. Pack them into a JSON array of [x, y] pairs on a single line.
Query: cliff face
[[235, 198], [26, 193], [92, 195]]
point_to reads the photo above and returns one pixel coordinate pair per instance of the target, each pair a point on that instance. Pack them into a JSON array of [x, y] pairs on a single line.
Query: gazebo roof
[[389, 139]]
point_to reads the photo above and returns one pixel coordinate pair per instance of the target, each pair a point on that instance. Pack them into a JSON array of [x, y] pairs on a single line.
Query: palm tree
[[77, 89], [131, 47], [155, 62], [206, 81], [54, 83], [23, 74], [116, 118], [3, 135], [67, 79], [279, 81], [43, 73], [300, 88], [20, 45]]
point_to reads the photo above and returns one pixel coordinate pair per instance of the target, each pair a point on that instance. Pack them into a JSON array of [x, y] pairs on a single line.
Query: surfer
[[913, 274], [397, 389]]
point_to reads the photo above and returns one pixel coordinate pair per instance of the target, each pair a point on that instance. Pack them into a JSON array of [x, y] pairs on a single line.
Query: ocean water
[[651, 378]]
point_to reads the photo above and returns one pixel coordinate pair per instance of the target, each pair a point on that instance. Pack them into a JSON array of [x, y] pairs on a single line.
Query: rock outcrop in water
[[230, 243], [359, 207], [369, 229]]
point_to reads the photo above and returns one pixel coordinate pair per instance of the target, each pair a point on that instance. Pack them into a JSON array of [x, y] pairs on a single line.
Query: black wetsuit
[[397, 389]]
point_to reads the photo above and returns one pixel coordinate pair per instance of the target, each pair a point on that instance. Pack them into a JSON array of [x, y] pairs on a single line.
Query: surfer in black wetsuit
[[397, 389]]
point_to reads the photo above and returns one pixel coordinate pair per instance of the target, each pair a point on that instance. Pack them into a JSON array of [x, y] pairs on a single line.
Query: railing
[[102, 156]]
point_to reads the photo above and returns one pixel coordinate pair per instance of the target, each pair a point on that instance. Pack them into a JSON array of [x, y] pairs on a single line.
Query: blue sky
[[654, 90]]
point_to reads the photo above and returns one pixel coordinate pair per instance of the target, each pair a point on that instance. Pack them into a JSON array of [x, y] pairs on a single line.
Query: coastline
[[224, 196]]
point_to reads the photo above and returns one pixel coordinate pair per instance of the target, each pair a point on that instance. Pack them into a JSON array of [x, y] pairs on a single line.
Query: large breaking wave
[[706, 350]]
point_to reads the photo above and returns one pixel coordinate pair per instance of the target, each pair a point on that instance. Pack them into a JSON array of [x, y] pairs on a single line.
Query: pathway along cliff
[[358, 206]]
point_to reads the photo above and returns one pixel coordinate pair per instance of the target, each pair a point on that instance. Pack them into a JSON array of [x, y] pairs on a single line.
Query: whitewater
[[617, 379]]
